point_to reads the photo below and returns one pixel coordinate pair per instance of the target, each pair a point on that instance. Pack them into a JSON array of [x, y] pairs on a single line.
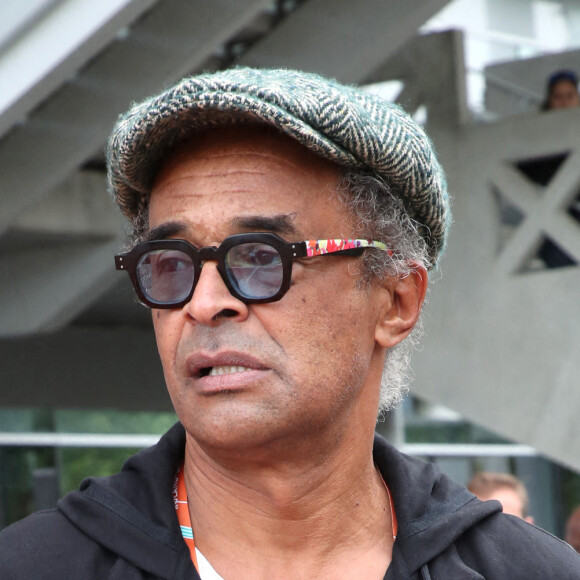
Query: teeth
[[227, 370]]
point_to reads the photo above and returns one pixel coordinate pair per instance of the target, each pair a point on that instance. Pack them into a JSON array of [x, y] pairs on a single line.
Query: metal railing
[[120, 440]]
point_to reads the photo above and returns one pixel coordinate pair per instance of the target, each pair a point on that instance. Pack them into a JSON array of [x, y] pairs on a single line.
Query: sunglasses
[[255, 267]]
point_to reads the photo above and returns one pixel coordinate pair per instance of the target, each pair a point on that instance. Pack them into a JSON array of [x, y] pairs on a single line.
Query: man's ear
[[401, 307]]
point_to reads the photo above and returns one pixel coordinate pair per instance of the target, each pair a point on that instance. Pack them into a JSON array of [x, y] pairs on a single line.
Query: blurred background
[[497, 378]]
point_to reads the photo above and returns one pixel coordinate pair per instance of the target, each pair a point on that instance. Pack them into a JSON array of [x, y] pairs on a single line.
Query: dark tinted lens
[[255, 269], [165, 275]]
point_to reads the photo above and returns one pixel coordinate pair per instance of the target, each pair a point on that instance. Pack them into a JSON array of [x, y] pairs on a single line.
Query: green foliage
[[74, 464], [73, 421], [78, 464]]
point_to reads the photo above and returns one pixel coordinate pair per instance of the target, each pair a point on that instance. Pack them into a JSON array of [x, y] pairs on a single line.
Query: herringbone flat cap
[[344, 124]]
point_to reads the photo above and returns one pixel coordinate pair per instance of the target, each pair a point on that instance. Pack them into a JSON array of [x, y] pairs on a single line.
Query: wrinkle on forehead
[[186, 173], [246, 144], [242, 153]]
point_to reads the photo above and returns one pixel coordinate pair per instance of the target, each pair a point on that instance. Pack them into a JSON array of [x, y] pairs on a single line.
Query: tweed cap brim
[[344, 124]]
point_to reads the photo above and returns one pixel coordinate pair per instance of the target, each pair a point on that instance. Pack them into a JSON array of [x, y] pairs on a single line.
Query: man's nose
[[211, 301]]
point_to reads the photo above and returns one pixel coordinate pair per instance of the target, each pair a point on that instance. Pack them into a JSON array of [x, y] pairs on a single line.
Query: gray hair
[[381, 216], [138, 226]]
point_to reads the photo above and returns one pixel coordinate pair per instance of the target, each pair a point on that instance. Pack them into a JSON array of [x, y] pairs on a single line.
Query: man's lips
[[225, 363]]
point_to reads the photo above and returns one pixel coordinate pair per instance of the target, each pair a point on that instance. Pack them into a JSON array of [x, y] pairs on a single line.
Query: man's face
[[286, 370], [511, 502], [573, 530], [574, 539]]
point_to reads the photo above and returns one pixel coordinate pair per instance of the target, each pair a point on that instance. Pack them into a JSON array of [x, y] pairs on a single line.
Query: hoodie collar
[[432, 510], [132, 513]]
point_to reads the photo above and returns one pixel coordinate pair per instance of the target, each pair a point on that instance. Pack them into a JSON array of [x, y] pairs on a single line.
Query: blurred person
[[284, 226], [572, 534], [505, 488], [562, 91]]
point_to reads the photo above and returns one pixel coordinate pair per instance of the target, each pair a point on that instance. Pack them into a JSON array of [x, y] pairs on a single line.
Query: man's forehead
[[229, 165], [245, 179], [250, 140]]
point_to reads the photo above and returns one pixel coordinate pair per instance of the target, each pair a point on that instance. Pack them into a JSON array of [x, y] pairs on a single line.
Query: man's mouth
[[223, 363], [222, 370]]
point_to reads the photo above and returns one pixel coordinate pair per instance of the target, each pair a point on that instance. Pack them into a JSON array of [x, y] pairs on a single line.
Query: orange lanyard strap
[[182, 509], [394, 523]]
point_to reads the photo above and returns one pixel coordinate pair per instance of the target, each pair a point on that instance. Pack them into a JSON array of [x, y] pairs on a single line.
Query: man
[[572, 535], [506, 489], [283, 230]]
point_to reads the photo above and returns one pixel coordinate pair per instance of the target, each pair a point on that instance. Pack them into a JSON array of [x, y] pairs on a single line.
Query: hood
[[432, 510], [132, 513]]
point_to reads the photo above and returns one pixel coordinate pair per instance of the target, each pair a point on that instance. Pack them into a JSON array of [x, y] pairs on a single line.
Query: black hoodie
[[124, 527]]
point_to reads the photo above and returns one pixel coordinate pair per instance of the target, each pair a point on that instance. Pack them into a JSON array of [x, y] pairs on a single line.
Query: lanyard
[[182, 509], [394, 523]]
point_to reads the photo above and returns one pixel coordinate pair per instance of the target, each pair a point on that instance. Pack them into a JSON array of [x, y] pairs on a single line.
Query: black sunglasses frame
[[289, 251], [129, 261]]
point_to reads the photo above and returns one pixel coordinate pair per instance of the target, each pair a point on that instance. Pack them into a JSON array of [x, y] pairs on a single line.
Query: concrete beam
[[44, 287], [58, 256], [518, 86], [175, 37], [340, 38], [547, 215], [60, 42], [432, 69], [501, 347], [79, 206], [515, 187], [84, 368], [525, 136], [18, 17]]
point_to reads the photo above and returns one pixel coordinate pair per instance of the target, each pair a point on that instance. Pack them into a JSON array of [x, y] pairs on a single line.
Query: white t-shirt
[[206, 571]]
